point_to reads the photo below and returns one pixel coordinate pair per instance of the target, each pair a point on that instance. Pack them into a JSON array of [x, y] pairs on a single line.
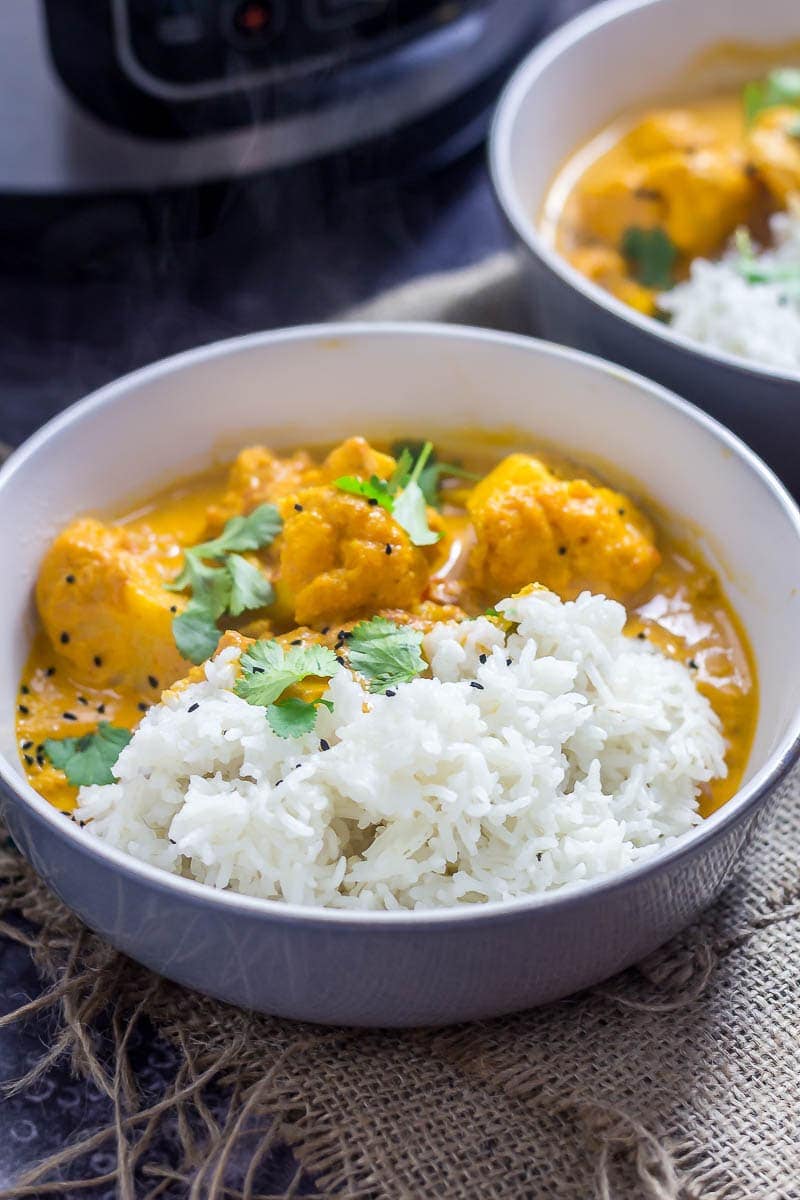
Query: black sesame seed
[[82, 824], [692, 664], [172, 841], [50, 672], [64, 639], [389, 692], [297, 642], [258, 670], [27, 745], [70, 578], [142, 707], [325, 630], [347, 634], [68, 716], [621, 512], [23, 708], [82, 700], [562, 550], [151, 679], [372, 501], [508, 662], [388, 548], [173, 608], [40, 760], [101, 708], [474, 683], [340, 660], [29, 760], [98, 662], [641, 635], [25, 689], [298, 508], [323, 745], [193, 707], [278, 784], [481, 658]]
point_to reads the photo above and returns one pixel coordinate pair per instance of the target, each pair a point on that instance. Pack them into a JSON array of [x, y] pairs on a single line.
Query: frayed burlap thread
[[678, 1080]]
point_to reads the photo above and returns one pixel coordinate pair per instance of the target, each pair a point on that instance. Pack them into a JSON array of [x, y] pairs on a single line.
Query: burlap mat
[[679, 1080]]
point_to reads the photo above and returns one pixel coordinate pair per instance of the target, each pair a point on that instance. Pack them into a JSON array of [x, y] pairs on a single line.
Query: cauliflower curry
[[302, 546], [652, 192]]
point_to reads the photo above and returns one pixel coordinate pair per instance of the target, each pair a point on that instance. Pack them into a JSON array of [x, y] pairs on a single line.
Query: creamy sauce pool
[[682, 610]]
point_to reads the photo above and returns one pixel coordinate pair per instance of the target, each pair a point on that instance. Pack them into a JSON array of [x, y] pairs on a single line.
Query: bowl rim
[[748, 798], [525, 226]]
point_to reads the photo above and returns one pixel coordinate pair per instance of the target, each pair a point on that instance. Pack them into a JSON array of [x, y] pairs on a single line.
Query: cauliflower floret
[[103, 603], [775, 151], [341, 557], [532, 527]]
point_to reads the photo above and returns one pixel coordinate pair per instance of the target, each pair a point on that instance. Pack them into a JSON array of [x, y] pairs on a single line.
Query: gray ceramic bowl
[[618, 57], [321, 383]]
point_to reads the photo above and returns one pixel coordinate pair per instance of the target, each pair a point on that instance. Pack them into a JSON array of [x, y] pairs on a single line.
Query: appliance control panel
[[200, 42]]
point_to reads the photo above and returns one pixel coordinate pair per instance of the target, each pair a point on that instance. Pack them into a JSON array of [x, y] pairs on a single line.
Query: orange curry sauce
[[682, 609]]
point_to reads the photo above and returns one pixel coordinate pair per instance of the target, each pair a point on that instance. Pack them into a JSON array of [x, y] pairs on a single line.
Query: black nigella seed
[[259, 670], [98, 662], [151, 679], [323, 745], [388, 548], [481, 658], [101, 708], [474, 683], [508, 662], [29, 760], [193, 707], [297, 642], [27, 745], [24, 689], [82, 700], [562, 550], [278, 784], [325, 630], [64, 639], [389, 692], [621, 512], [173, 608], [372, 501], [340, 660], [172, 841], [692, 664], [40, 760], [23, 708], [68, 716], [50, 672], [641, 635], [70, 578], [142, 707], [298, 508]]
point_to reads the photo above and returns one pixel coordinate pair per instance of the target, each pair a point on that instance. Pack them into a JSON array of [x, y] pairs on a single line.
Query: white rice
[[582, 751], [758, 321]]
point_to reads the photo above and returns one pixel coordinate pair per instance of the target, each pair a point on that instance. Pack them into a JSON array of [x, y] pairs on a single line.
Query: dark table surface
[[91, 290]]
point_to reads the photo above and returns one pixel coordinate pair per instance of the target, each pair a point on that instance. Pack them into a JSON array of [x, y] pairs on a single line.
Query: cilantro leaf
[[249, 588], [410, 510], [88, 759], [267, 670], [370, 489], [754, 271], [651, 255], [196, 633], [233, 586], [781, 87], [432, 474], [385, 653], [292, 717], [258, 529]]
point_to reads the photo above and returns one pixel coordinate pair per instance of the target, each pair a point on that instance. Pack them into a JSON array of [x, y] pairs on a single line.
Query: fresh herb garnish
[[651, 254], [434, 472], [268, 670], [385, 653], [754, 271], [293, 717], [232, 586], [403, 494], [780, 87], [88, 759]]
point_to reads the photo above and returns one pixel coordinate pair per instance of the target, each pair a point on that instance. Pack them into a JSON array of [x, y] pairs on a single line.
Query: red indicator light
[[252, 18]]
